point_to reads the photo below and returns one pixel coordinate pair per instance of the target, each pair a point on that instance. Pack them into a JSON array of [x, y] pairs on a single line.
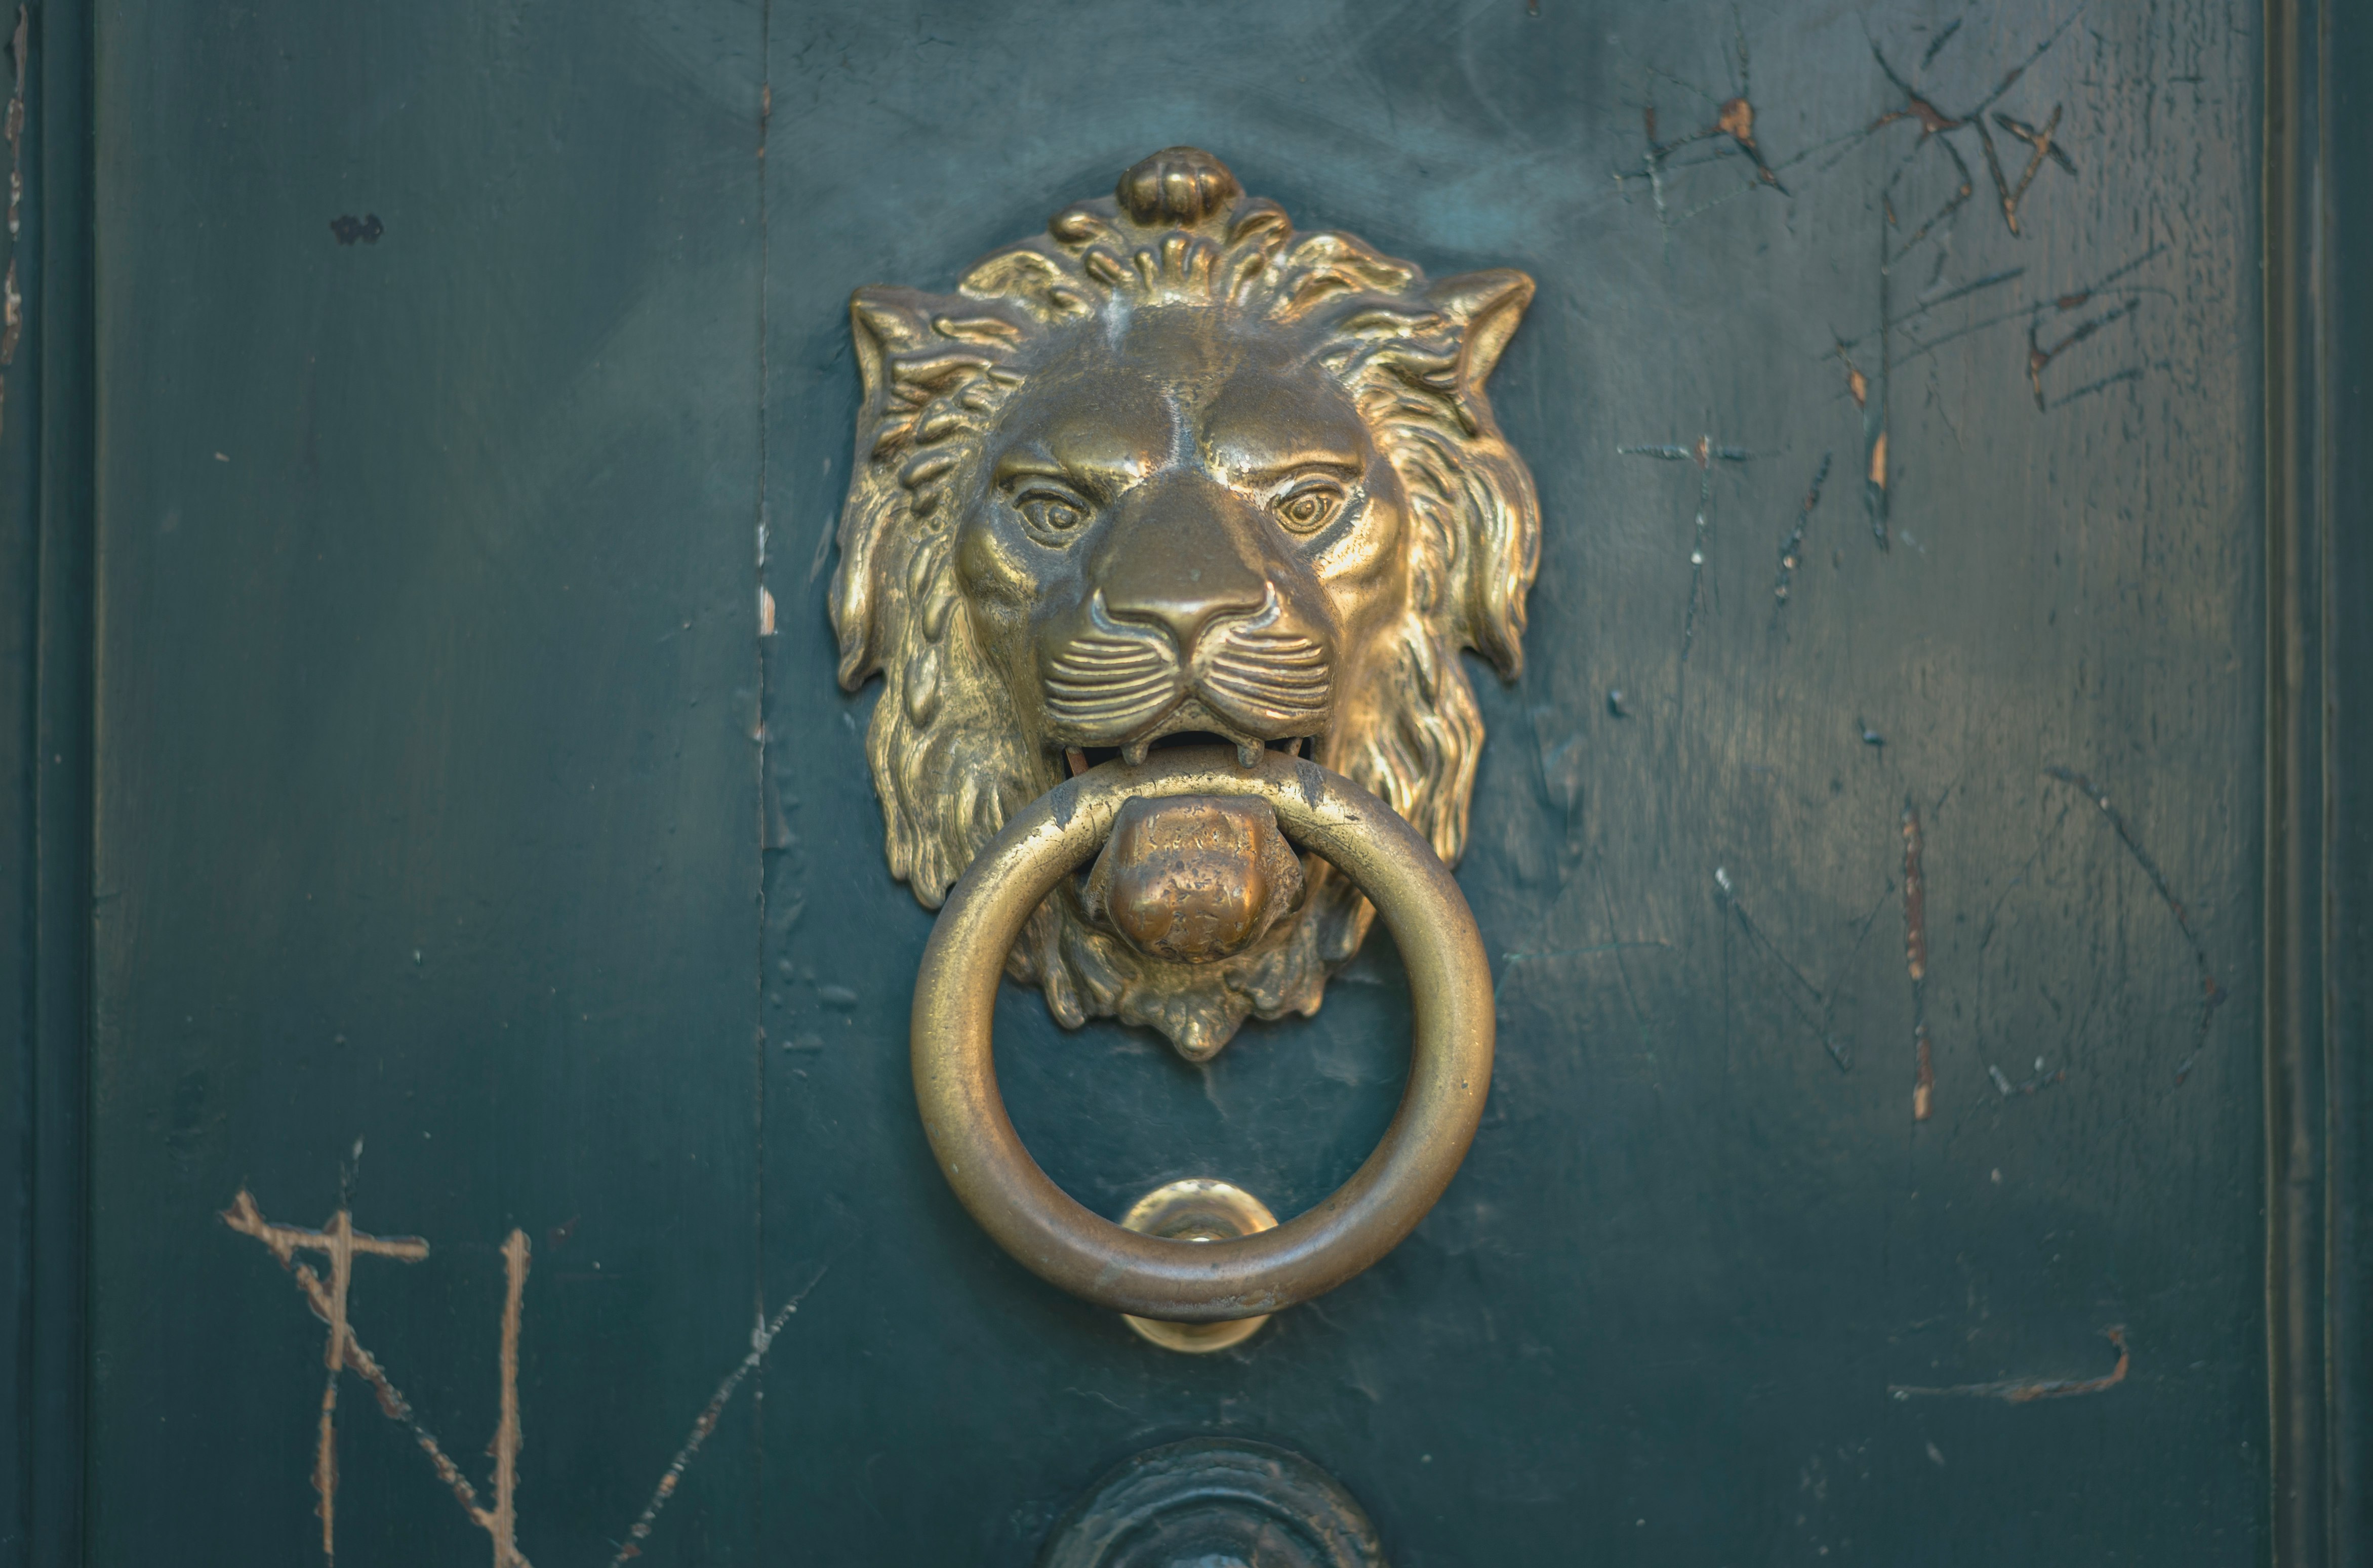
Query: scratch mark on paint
[[342, 1243], [1794, 543], [1730, 134], [2040, 139], [1580, 952], [2131, 373], [502, 1521], [1937, 45], [761, 1340], [2212, 995], [1915, 960], [1736, 120], [2036, 1084], [2027, 1391], [2043, 146], [242, 1216], [1704, 454], [1986, 939], [2062, 302], [2040, 357], [1820, 1018]]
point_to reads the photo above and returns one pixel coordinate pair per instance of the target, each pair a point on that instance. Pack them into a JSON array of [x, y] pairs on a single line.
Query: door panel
[[1661, 1311], [458, 794], [425, 782]]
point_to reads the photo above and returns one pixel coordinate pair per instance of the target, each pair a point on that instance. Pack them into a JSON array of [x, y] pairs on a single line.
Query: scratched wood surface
[[473, 869]]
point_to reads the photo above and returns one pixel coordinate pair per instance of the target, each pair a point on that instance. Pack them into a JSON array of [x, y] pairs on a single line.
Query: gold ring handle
[[1151, 1276]]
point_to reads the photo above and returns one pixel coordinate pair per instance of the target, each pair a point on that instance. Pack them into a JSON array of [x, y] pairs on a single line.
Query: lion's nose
[[1183, 554]]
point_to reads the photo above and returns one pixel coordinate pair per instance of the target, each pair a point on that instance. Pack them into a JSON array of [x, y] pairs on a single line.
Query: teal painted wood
[[428, 812], [1660, 1314], [426, 797], [45, 457]]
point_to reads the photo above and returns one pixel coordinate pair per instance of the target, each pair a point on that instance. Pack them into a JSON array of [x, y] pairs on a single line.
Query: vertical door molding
[[2318, 895], [46, 456]]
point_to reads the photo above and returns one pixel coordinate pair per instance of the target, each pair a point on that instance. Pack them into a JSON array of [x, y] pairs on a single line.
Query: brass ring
[[1041, 1225]]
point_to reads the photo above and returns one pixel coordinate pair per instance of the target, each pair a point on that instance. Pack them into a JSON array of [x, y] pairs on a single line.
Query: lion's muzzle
[[1192, 594], [1117, 681]]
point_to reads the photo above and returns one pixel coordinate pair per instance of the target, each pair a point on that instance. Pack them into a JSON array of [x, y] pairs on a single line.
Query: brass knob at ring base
[[1217, 1280], [1200, 1210]]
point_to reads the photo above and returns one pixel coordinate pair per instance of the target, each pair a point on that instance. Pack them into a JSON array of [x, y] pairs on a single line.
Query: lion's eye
[[1049, 515], [1309, 507]]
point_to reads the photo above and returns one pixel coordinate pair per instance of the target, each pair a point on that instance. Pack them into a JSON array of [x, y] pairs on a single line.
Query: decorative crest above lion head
[[1172, 469]]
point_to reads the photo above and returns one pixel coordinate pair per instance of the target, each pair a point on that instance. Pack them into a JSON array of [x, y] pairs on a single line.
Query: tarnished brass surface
[[1198, 1209], [1170, 470], [1194, 879], [1450, 1066]]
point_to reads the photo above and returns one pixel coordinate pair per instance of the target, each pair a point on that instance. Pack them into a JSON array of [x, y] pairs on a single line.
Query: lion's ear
[[1487, 307], [885, 325], [1500, 548], [914, 351]]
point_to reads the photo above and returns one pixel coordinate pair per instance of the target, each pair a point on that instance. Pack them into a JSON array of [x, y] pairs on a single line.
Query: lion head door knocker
[[1166, 532]]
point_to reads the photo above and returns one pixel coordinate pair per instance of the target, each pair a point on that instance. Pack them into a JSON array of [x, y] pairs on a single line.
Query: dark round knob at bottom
[[1215, 1502]]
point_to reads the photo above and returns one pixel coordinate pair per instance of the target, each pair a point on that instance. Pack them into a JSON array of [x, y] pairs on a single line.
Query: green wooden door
[[487, 862]]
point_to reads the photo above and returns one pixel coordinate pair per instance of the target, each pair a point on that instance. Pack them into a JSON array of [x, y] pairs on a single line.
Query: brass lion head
[[1172, 471]]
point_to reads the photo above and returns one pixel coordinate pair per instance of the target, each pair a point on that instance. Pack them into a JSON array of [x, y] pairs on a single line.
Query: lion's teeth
[[1248, 752], [1134, 752]]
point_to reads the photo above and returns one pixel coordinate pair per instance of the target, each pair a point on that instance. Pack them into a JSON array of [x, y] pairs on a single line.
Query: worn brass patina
[[1177, 1281], [1172, 471], [1198, 1209]]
